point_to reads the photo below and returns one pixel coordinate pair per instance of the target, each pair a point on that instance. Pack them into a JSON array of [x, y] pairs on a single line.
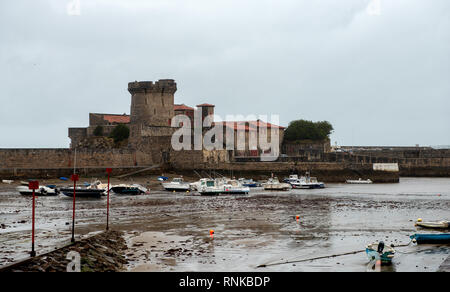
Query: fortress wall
[[64, 158]]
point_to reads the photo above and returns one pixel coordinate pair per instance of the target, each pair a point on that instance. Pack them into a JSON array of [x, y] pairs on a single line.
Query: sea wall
[[65, 158], [325, 171]]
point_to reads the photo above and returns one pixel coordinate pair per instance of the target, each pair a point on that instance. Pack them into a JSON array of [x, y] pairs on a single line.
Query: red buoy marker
[[33, 185], [108, 171], [74, 178]]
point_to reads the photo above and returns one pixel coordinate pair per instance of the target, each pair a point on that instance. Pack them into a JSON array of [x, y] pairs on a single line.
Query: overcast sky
[[379, 73]]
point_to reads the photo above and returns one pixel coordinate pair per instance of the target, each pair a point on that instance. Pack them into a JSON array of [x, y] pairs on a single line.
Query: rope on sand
[[322, 257]]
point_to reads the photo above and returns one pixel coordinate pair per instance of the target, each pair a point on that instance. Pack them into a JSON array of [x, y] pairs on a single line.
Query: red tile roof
[[178, 107], [118, 119]]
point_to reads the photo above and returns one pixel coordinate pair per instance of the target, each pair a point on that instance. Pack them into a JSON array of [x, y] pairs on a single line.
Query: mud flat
[[445, 267], [170, 231]]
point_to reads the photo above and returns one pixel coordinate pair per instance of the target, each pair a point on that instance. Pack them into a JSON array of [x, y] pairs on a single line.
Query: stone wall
[[64, 158], [327, 172]]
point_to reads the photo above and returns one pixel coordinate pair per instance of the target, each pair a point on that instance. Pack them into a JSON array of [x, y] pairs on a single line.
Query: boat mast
[[75, 163]]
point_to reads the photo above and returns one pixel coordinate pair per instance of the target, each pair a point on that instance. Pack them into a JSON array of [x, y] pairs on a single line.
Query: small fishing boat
[[273, 184], [177, 185], [292, 178], [7, 181], [249, 183], [124, 189], [163, 178], [234, 187], [43, 191], [307, 183], [195, 186], [210, 187], [359, 181], [94, 190], [442, 238], [433, 225], [377, 251]]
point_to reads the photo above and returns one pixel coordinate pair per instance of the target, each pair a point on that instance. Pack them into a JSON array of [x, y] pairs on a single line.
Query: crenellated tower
[[152, 108], [152, 104]]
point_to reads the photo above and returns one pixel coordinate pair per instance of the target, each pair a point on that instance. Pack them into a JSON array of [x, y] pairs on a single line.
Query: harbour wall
[[332, 167], [325, 171], [65, 158]]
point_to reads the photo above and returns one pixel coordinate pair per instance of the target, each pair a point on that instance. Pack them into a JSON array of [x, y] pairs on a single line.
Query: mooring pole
[[33, 185], [74, 178], [108, 170], [33, 252]]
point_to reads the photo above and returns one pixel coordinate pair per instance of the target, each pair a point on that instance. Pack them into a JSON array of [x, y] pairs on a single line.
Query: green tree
[[308, 130], [120, 133], [98, 131]]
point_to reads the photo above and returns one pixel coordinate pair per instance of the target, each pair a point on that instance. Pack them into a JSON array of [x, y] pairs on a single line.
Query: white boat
[[234, 187], [306, 182], [211, 187], [273, 184], [42, 191], [177, 185], [434, 225], [359, 181], [7, 181], [195, 186]]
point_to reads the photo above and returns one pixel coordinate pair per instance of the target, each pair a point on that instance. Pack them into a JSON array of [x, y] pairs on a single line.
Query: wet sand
[[170, 231]]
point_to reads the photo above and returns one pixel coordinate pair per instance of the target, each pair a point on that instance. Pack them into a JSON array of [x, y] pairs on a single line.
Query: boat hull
[[386, 257], [431, 238], [126, 191], [39, 194], [433, 225], [83, 193]]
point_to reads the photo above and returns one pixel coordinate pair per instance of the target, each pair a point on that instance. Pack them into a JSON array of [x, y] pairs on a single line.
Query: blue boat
[[377, 251], [441, 238]]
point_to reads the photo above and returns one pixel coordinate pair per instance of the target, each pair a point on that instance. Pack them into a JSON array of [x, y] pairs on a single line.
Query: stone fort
[[150, 122]]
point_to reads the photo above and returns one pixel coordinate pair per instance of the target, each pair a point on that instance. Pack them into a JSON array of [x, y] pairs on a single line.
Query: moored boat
[[94, 190], [442, 238], [124, 189], [307, 183], [177, 185], [359, 181], [234, 187], [209, 187], [273, 184], [82, 192], [249, 183], [433, 225], [377, 251], [42, 191]]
